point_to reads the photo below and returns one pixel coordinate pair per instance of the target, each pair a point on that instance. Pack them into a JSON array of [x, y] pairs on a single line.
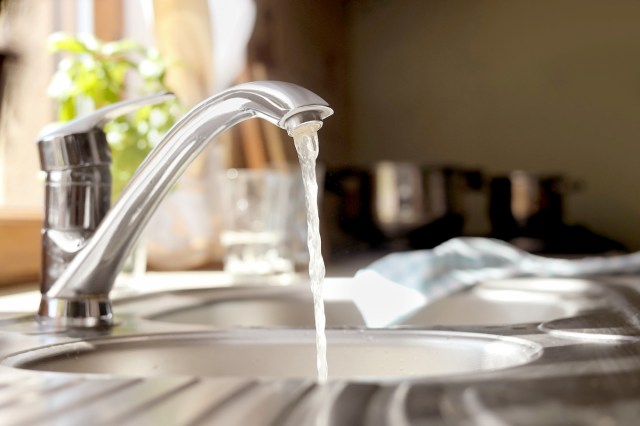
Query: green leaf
[[118, 71], [91, 43], [61, 42], [120, 47], [67, 110]]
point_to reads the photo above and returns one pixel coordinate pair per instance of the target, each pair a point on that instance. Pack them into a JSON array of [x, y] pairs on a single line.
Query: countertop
[[588, 373]]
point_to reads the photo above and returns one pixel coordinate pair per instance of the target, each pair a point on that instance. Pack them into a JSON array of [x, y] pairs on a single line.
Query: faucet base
[[76, 312]]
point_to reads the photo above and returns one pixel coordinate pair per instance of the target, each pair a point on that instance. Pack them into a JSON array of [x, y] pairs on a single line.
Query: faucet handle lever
[[81, 142], [97, 119]]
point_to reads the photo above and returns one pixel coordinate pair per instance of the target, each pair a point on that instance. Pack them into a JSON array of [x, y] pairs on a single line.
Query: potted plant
[[93, 74]]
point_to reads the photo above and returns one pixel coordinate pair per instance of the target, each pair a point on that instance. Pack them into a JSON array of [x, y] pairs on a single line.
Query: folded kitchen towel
[[427, 275]]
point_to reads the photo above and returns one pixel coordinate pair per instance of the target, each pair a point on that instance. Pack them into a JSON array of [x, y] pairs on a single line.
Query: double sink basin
[[251, 331]]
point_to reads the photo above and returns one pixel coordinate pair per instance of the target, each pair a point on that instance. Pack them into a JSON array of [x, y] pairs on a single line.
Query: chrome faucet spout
[[79, 297]]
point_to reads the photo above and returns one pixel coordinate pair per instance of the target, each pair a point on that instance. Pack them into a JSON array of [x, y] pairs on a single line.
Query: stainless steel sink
[[493, 303], [133, 374], [284, 353], [247, 308], [513, 301]]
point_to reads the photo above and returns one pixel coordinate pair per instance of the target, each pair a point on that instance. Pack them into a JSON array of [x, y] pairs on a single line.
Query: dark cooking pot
[[527, 204], [392, 200], [527, 210]]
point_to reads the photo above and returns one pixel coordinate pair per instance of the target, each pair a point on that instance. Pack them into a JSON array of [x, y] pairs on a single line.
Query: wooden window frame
[[20, 247]]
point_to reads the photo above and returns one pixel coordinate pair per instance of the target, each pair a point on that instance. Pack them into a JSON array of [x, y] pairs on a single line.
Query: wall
[[26, 107], [304, 42], [544, 86]]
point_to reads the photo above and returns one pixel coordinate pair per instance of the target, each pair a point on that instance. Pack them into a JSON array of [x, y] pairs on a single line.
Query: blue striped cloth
[[462, 262]]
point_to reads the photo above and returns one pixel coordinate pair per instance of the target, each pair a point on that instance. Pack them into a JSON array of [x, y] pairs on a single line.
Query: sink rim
[[528, 351]]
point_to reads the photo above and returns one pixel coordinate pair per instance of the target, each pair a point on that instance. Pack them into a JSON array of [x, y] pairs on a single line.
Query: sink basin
[[356, 354], [514, 301], [492, 303], [248, 309]]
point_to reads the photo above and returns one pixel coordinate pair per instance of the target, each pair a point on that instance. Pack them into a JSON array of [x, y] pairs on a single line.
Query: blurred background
[[504, 118]]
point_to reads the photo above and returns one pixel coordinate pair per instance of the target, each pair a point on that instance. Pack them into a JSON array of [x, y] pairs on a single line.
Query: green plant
[[93, 74]]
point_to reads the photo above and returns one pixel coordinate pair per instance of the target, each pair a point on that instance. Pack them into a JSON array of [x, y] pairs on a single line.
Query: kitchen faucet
[[84, 243]]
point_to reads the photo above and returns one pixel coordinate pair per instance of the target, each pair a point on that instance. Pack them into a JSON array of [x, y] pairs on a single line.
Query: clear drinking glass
[[254, 207]]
